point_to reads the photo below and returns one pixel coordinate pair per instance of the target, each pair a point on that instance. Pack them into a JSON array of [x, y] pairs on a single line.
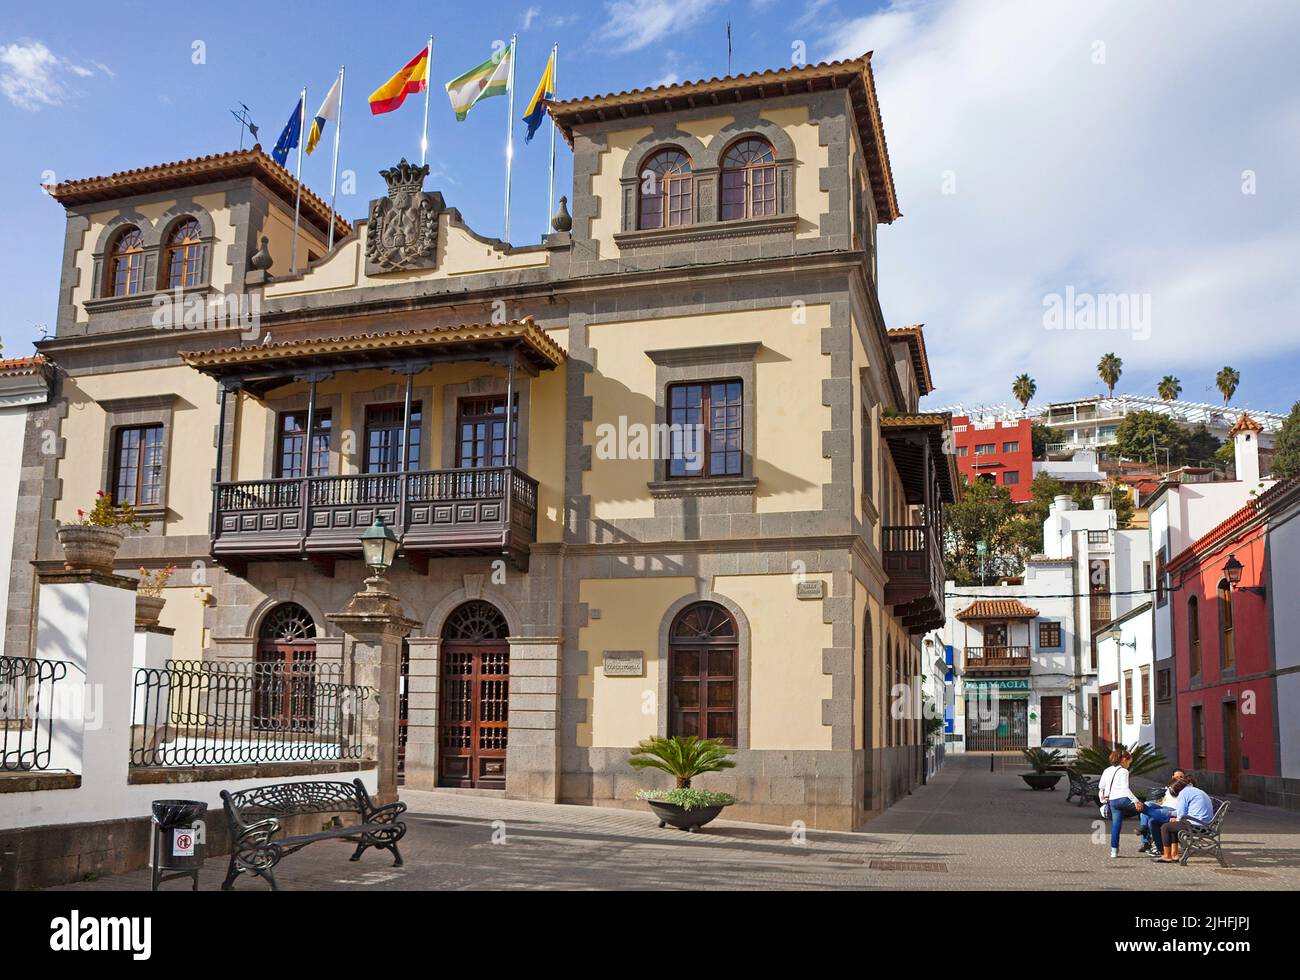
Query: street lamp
[[1232, 570], [378, 547]]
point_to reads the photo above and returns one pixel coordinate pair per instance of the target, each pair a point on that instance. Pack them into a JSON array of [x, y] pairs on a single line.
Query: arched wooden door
[[473, 722], [703, 673], [284, 683]]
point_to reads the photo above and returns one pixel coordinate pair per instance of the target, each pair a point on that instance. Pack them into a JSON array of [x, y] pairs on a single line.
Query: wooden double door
[[474, 705]]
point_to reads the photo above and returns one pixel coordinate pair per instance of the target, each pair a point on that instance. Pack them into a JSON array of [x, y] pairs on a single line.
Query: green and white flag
[[488, 79]]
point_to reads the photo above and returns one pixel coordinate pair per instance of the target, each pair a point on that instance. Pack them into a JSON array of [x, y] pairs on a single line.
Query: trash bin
[[178, 844]]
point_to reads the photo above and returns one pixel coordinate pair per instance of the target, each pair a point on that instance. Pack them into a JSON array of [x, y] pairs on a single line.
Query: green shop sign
[[1013, 684]]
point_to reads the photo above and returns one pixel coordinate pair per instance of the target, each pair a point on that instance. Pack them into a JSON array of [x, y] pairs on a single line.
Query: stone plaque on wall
[[624, 663], [812, 589]]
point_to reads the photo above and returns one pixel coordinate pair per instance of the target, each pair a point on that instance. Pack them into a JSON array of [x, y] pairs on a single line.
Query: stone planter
[[87, 548], [672, 815], [148, 608], [1042, 780]]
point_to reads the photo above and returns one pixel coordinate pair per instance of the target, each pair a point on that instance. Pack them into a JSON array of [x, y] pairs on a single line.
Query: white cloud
[[33, 77], [530, 16], [633, 24], [1114, 176]]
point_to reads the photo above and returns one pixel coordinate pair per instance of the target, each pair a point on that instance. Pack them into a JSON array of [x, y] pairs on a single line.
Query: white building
[[24, 383], [1080, 466], [1089, 423], [1125, 659]]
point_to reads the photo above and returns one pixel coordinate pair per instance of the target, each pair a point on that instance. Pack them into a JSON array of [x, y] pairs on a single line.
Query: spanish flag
[[410, 80], [537, 107]]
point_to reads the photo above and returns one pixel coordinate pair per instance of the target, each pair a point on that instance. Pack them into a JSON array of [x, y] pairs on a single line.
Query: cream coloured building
[[585, 572]]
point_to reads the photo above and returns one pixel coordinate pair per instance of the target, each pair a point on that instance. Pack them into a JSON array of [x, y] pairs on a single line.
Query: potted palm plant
[[149, 599], [683, 758], [1043, 761], [1093, 760], [91, 544]]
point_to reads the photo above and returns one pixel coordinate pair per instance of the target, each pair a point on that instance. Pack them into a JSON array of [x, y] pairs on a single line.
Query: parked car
[[1067, 745]]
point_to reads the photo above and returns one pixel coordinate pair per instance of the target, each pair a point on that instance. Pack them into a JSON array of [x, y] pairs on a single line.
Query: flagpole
[[555, 90], [334, 173], [297, 202], [428, 87], [510, 129]]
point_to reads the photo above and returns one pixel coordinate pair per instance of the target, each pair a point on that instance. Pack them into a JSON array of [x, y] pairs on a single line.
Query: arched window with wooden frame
[[704, 673], [184, 262], [1193, 636], [126, 263], [284, 675], [667, 196], [749, 179], [1227, 653]]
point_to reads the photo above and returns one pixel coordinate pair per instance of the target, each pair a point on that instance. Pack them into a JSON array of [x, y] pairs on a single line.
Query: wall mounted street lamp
[[378, 549], [1232, 570], [1117, 634]]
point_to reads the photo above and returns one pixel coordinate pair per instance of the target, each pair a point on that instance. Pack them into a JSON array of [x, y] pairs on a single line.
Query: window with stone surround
[[126, 265], [748, 180], [703, 667], [667, 189], [184, 261], [706, 433], [1049, 636], [138, 465]]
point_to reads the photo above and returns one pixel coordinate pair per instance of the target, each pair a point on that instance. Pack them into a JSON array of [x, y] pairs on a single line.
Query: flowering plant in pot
[[683, 758], [149, 599], [91, 544]]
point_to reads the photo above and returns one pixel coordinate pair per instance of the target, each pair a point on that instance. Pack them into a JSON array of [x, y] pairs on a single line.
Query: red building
[[1000, 451], [1233, 591]]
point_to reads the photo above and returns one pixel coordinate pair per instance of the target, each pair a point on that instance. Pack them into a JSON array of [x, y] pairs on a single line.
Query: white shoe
[[1114, 852]]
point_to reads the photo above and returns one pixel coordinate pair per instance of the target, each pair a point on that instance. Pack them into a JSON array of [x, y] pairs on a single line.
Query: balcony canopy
[[983, 610], [909, 437], [261, 367]]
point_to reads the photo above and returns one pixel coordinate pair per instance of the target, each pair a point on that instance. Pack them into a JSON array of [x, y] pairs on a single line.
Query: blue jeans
[[1118, 810], [1154, 817]]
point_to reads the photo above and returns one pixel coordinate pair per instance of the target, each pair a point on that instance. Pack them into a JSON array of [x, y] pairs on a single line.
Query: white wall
[[13, 422], [1133, 652]]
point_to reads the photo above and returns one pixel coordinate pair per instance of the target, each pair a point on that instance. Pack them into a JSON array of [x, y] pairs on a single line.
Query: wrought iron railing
[[27, 711], [202, 713]]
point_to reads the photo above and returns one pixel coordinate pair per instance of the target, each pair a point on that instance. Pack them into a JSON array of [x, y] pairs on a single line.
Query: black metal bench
[[1203, 838], [1083, 787], [254, 816]]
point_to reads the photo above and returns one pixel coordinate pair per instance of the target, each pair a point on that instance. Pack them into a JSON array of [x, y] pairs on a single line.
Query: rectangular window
[[707, 429], [137, 465], [1098, 537], [1010, 478], [481, 432], [961, 450], [1128, 697], [868, 454], [290, 444], [1162, 595], [986, 449], [1049, 635], [1144, 680], [384, 438], [1011, 447], [1198, 737], [1146, 576], [1164, 685]]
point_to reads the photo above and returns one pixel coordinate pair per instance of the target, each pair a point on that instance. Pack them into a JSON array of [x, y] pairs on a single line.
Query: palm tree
[[1024, 388], [1109, 368], [1169, 388], [682, 758], [1227, 381]]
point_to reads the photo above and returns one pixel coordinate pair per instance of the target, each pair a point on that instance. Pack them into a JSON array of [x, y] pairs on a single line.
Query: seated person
[[1156, 815], [1194, 807], [1117, 797]]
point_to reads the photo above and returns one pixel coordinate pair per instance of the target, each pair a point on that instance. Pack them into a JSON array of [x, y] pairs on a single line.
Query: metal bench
[[254, 816], [1083, 787], [1204, 838]]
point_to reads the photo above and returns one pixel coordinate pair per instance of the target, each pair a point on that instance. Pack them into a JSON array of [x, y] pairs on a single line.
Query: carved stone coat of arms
[[403, 229]]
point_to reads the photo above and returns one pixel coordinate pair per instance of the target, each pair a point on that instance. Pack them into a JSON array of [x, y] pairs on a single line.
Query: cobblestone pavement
[[969, 828]]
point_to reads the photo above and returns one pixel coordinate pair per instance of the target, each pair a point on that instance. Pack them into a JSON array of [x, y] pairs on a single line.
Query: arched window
[[126, 264], [667, 191], [1227, 655], [184, 255], [749, 179], [476, 622], [474, 722], [284, 680], [703, 673], [1193, 636]]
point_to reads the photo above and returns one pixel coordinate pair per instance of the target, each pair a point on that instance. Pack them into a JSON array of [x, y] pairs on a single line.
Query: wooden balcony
[[914, 564], [434, 513], [997, 658]]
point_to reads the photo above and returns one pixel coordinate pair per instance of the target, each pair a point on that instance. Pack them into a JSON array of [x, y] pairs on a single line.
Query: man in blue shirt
[[1194, 806], [1156, 815]]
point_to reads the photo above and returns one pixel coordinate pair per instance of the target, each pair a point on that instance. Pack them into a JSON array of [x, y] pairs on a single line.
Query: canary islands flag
[[411, 79], [289, 137], [537, 107], [488, 79], [329, 109]]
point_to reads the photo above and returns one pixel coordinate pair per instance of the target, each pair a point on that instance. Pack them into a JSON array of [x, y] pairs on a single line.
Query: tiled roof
[[855, 76], [997, 609], [1235, 521], [200, 170], [914, 336], [1245, 424], [16, 367]]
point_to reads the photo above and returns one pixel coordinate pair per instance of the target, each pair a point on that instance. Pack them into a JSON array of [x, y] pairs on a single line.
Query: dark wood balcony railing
[[999, 657], [433, 512], [914, 563]]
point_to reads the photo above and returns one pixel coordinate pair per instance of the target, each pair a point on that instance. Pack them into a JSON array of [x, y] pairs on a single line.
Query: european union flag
[[289, 138]]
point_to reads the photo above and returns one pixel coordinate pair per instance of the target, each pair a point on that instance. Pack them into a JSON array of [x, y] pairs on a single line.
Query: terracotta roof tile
[[997, 609], [1245, 424], [15, 367], [914, 337]]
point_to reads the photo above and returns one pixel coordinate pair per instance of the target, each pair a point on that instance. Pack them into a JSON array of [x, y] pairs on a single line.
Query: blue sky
[[1026, 165]]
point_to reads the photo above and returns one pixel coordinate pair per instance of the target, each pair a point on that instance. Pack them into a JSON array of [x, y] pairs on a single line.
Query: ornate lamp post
[[378, 549], [1232, 570]]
